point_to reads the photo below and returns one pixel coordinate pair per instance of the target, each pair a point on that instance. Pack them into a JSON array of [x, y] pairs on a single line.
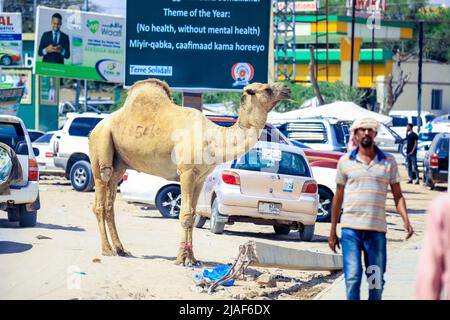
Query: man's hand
[[334, 242], [409, 231], [50, 49], [58, 48]]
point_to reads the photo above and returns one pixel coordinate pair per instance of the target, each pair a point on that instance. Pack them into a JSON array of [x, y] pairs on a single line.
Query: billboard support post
[[86, 93]]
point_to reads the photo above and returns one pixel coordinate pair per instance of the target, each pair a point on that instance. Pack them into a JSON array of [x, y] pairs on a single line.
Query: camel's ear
[[250, 92]]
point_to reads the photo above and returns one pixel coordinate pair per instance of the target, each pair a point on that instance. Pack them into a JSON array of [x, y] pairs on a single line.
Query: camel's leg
[[191, 186], [100, 212], [111, 193], [101, 152]]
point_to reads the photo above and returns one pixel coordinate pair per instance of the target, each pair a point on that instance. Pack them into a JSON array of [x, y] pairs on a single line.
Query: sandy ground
[[60, 258]]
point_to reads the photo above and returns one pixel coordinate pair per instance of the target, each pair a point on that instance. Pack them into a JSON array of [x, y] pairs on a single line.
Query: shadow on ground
[[7, 247]]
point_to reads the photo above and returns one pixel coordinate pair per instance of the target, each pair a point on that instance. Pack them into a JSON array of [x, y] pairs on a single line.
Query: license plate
[[269, 208]]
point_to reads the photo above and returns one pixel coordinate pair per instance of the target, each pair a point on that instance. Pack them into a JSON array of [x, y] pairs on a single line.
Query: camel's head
[[258, 100]]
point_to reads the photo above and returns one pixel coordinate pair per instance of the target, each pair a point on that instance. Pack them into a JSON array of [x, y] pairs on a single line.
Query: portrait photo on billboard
[[17, 78], [79, 45]]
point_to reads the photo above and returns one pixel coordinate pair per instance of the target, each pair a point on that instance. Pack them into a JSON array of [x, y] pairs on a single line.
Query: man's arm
[[415, 147], [338, 199], [65, 52], [400, 203]]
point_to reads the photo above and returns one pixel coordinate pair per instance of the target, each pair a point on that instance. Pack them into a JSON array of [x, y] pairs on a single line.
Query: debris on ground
[[43, 238], [267, 281], [97, 260]]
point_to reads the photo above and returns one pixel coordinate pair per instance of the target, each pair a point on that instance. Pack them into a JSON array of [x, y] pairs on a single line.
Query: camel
[[153, 135]]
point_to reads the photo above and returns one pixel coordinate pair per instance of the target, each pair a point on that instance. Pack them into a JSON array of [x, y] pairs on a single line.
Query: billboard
[[10, 100], [10, 39], [198, 45], [15, 78], [79, 45]]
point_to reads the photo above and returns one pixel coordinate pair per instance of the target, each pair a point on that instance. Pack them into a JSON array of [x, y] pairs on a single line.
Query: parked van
[[400, 119]]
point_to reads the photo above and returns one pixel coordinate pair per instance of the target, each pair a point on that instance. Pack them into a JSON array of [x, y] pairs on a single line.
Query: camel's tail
[[101, 149]]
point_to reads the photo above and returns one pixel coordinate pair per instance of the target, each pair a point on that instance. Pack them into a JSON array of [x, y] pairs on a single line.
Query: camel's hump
[[152, 81]]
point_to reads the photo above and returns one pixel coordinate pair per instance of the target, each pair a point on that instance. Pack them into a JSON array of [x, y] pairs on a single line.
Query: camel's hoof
[[123, 253]]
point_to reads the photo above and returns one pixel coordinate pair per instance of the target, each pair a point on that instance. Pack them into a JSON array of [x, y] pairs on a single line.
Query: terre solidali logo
[[93, 25]]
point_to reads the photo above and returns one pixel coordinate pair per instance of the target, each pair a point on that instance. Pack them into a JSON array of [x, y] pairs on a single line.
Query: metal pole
[[419, 81], [1, 5], [353, 42], [86, 8]]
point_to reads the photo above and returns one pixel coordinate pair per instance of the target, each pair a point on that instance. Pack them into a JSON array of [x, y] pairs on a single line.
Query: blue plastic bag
[[216, 274]]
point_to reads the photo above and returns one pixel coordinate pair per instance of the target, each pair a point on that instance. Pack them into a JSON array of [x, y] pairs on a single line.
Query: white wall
[[435, 76]]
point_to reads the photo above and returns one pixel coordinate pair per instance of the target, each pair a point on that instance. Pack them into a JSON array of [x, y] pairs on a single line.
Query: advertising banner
[[10, 100], [200, 45], [79, 45], [49, 88], [17, 78], [10, 39]]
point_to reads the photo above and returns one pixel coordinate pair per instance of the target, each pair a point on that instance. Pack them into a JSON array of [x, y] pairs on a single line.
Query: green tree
[[437, 32]]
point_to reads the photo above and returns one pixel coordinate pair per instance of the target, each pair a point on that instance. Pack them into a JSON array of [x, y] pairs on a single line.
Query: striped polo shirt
[[366, 188]]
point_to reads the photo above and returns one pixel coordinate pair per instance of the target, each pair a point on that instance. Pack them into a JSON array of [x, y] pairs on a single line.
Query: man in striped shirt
[[362, 180]]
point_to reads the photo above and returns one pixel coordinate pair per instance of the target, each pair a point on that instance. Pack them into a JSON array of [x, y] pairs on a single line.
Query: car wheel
[[81, 176], [27, 219], [215, 226], [282, 230], [404, 148], [199, 221], [428, 182], [14, 214], [168, 202], [6, 61], [306, 233], [325, 205]]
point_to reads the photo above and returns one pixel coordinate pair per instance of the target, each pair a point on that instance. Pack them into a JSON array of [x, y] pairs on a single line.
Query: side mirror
[[22, 148], [36, 152]]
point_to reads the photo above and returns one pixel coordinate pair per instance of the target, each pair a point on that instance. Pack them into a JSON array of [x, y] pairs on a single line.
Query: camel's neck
[[237, 140]]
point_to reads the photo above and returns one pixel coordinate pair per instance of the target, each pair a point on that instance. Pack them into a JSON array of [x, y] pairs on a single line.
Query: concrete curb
[[325, 291]]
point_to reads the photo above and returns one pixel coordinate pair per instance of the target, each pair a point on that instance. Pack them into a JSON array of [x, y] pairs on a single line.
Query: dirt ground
[[60, 258]]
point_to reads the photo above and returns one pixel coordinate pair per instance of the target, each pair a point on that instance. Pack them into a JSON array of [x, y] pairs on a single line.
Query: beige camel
[[153, 135]]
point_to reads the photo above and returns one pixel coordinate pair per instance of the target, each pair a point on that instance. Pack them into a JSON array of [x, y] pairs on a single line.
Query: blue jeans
[[373, 245], [413, 170]]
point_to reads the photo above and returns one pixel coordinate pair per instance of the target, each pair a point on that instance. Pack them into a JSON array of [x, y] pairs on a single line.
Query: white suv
[[71, 149], [21, 198]]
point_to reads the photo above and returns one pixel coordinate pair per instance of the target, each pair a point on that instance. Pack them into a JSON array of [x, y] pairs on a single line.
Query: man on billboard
[[54, 46]]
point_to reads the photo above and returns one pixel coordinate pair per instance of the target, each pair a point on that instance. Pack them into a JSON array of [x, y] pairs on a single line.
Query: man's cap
[[365, 123]]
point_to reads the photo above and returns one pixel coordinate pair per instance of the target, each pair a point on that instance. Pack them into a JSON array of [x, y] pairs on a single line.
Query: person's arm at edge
[[338, 199], [400, 204]]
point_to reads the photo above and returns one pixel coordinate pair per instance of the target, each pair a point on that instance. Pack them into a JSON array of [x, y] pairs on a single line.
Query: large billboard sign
[[79, 45], [198, 45], [367, 8], [10, 39]]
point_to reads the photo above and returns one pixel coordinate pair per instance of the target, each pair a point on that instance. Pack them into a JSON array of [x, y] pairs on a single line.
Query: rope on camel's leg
[[245, 258]]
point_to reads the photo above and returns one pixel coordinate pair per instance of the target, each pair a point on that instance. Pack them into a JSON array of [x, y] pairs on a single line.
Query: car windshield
[[273, 161], [82, 127], [11, 134], [341, 137], [398, 121], [45, 138]]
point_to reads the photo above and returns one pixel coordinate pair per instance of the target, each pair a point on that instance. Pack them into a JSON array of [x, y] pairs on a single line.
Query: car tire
[[168, 202], [81, 177], [199, 221], [427, 180], [27, 219], [14, 214], [306, 233], [282, 230], [325, 205], [215, 226], [403, 148], [6, 61]]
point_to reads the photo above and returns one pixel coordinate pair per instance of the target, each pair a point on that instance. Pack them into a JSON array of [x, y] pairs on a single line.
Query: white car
[[21, 199], [45, 158], [400, 119], [143, 188]]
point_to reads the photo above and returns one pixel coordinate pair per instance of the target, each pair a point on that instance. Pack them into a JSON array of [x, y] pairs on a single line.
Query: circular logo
[[242, 73]]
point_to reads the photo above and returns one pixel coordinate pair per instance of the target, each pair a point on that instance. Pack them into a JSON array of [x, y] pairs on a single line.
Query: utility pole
[[353, 42], [419, 80], [1, 5], [86, 8]]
